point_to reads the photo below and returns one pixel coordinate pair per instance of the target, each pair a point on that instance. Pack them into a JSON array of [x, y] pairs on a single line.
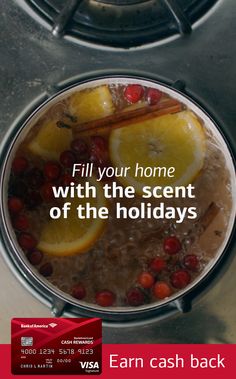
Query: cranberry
[[105, 298], [15, 205], [172, 245], [35, 257], [66, 180], [79, 146], [180, 279], [47, 192], [67, 158], [158, 264], [19, 165], [99, 151], [27, 241], [133, 93], [78, 291], [162, 290], [135, 297], [33, 200], [146, 280], [35, 177], [191, 262], [46, 269], [21, 223], [99, 143], [52, 170], [153, 96], [98, 159]]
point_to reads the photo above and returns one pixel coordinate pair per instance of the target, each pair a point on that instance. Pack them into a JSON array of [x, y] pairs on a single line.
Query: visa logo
[[89, 365]]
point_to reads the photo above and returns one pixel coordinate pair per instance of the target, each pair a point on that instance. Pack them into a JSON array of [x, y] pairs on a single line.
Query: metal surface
[[61, 21], [123, 23], [33, 62], [182, 20]]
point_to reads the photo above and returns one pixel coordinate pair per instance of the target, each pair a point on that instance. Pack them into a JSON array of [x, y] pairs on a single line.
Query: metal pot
[[62, 303]]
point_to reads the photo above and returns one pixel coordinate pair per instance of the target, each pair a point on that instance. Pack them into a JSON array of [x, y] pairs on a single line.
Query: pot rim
[[8, 233]]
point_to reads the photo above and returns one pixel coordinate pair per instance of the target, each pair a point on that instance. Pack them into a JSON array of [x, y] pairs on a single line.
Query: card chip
[[27, 341]]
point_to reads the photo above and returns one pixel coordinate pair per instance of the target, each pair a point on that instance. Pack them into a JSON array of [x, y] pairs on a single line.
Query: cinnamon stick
[[206, 219], [120, 119]]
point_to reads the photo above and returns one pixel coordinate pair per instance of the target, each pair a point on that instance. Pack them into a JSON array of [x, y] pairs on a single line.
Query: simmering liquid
[[130, 261]]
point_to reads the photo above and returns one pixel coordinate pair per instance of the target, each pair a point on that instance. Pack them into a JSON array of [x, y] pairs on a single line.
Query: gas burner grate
[[122, 23]]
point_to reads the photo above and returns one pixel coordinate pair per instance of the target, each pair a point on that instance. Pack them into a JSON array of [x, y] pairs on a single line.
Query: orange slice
[[173, 140], [91, 104], [50, 141], [70, 236]]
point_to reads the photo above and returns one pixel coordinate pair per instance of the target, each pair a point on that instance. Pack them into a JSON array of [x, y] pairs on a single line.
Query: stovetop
[[119, 23], [34, 64]]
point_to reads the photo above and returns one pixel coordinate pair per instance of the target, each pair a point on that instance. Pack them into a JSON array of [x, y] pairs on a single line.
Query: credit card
[[56, 346]]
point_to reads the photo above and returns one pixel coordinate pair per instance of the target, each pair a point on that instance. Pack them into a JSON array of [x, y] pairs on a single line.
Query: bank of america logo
[[53, 325]]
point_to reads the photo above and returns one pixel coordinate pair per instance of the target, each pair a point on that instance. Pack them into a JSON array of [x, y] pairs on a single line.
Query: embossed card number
[[56, 346]]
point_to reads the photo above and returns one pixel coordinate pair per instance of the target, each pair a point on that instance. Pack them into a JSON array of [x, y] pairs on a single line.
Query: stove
[[123, 23], [47, 45]]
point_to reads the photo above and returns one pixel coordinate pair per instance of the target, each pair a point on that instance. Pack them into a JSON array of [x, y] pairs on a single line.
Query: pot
[[62, 303]]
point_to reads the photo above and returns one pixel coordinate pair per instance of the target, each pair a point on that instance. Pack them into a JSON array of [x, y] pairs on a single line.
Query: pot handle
[[184, 305], [179, 85], [58, 307]]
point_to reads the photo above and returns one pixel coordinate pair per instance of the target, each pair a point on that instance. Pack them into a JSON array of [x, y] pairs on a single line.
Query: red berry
[[105, 298], [15, 205], [153, 96], [21, 223], [78, 291], [172, 245], [19, 165], [158, 264], [79, 146], [46, 269], [191, 262], [133, 93], [180, 279], [146, 280], [99, 151], [52, 170], [67, 158], [66, 180], [98, 159], [162, 290], [98, 143], [47, 192], [35, 178], [35, 257], [135, 297], [27, 241]]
